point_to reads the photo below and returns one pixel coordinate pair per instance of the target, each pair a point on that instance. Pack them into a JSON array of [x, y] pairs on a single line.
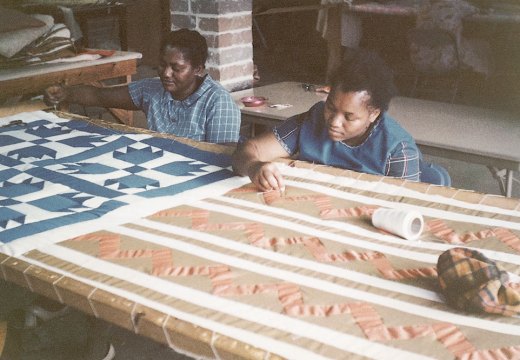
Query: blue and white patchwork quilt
[[57, 172]]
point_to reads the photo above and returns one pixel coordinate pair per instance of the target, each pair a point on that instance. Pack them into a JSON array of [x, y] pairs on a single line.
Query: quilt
[[57, 173], [233, 273]]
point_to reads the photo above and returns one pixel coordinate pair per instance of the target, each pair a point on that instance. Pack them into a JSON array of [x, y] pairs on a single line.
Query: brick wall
[[226, 25]]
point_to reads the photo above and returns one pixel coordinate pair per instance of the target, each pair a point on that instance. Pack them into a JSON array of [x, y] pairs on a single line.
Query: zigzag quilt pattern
[[299, 274], [307, 267]]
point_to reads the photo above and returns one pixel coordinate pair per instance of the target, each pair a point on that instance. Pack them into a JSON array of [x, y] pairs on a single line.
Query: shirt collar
[[192, 99]]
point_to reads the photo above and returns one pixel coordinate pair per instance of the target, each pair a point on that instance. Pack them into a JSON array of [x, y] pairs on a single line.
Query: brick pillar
[[226, 25]]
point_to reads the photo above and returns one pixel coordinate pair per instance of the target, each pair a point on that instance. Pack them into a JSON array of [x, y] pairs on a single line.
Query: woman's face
[[178, 75], [348, 116]]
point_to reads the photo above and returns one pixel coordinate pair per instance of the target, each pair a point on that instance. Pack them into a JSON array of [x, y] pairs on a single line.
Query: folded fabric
[[13, 41], [472, 282], [57, 56], [62, 2], [11, 20], [75, 58], [55, 39], [71, 22], [54, 44]]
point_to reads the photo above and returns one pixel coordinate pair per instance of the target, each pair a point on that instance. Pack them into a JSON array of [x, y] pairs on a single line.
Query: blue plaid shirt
[[209, 114]]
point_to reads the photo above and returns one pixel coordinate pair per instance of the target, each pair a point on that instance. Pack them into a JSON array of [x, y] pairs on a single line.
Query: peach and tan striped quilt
[[301, 275]]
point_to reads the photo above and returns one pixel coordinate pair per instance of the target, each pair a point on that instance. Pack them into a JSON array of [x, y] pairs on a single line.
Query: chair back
[[434, 174]]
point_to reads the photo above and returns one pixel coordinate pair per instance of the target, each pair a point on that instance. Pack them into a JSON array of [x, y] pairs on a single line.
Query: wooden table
[[459, 132], [283, 93], [34, 79], [466, 133], [215, 269]]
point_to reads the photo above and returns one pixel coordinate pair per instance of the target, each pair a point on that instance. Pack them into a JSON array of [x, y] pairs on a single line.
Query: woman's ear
[[199, 70], [373, 114]]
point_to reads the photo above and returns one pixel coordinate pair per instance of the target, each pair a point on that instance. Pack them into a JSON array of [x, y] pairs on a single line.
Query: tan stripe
[[110, 310], [399, 198]]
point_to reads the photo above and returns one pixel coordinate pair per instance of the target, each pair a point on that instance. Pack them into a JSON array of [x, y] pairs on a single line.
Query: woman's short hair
[[192, 45], [366, 71]]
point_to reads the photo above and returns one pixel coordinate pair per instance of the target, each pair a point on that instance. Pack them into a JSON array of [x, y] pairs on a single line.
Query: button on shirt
[[209, 114]]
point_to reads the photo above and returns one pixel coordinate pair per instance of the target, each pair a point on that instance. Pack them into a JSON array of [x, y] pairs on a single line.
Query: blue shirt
[[388, 150], [209, 114]]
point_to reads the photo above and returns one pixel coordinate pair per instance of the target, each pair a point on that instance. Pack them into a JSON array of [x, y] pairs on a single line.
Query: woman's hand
[[55, 95], [266, 176]]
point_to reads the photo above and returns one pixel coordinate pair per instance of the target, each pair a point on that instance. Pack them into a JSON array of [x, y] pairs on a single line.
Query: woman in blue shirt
[[349, 130], [182, 100]]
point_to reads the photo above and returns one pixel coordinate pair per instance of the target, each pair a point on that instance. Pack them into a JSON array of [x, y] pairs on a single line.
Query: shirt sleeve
[[223, 123], [288, 133], [403, 162], [136, 91], [141, 92]]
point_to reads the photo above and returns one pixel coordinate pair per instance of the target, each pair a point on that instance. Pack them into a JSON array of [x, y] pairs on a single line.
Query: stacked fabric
[[31, 39], [64, 2]]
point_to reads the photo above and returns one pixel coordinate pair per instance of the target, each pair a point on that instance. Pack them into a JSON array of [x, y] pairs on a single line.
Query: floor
[[127, 345], [133, 347], [299, 56]]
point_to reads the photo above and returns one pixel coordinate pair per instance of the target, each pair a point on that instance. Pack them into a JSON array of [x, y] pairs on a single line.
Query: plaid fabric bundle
[[472, 282]]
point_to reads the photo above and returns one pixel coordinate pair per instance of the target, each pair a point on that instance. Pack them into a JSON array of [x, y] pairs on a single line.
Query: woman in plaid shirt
[[350, 130], [182, 101]]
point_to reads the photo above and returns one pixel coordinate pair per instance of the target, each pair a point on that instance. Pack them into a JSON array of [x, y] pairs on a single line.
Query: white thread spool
[[407, 224]]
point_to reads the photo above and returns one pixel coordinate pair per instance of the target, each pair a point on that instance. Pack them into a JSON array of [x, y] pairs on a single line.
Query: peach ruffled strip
[[372, 325], [198, 216], [439, 228], [289, 295], [348, 212], [379, 260]]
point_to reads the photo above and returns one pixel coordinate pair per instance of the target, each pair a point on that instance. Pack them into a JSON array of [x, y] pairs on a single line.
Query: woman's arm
[[110, 97], [254, 159], [404, 162]]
